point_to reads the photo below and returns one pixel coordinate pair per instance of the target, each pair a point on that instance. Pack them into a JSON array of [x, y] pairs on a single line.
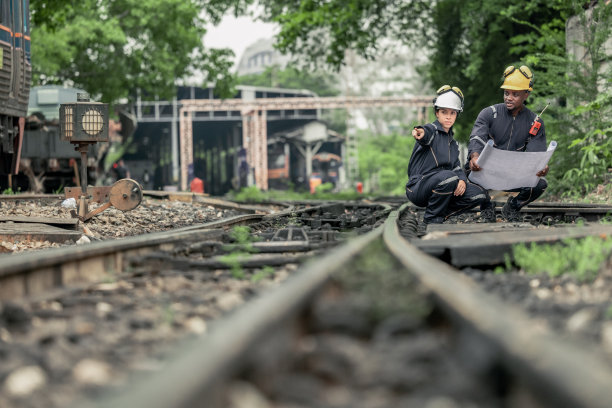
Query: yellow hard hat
[[520, 79]]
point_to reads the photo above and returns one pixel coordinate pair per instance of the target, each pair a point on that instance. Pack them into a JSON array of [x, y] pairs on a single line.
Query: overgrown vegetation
[[111, 48], [571, 68], [243, 247], [470, 43], [254, 195], [383, 162], [263, 273], [579, 258], [580, 87], [321, 83]]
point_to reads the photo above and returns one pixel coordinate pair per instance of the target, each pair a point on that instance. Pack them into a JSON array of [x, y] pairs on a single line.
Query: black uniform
[[434, 172], [510, 133]]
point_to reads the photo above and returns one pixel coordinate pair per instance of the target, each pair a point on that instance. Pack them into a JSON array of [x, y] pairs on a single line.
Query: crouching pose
[[511, 127], [436, 179]]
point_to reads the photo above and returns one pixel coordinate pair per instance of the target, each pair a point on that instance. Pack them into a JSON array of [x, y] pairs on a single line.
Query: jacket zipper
[[511, 131], [434, 156]]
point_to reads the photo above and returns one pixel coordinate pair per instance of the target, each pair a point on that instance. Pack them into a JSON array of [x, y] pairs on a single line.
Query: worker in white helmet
[[436, 179], [508, 125]]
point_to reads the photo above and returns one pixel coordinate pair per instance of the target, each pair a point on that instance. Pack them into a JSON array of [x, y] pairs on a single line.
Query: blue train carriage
[[15, 78]]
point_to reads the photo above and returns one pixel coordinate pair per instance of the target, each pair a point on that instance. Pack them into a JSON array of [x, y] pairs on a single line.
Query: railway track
[[150, 289], [287, 334], [369, 290]]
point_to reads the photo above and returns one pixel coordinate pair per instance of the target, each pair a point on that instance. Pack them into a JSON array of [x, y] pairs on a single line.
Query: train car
[[289, 170], [279, 176], [326, 166], [15, 78], [48, 162]]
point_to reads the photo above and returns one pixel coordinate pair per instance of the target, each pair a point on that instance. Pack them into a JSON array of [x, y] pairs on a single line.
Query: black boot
[[488, 214], [510, 212]]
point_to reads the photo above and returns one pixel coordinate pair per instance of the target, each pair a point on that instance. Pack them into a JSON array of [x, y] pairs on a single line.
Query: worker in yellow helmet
[[508, 124]]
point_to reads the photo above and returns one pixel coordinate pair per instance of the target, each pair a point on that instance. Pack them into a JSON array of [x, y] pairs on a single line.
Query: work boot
[[422, 227], [510, 213], [488, 214]]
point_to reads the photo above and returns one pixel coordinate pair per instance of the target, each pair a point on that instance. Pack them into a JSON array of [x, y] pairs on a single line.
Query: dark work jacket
[[435, 151], [507, 132]]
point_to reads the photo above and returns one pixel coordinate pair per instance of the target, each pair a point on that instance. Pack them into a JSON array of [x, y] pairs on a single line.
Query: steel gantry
[[254, 122]]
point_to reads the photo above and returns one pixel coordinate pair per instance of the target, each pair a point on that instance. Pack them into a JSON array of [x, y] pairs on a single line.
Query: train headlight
[[84, 121]]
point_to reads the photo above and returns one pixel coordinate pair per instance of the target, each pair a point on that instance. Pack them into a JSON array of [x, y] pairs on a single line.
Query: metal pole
[[84, 169], [175, 142], [83, 199]]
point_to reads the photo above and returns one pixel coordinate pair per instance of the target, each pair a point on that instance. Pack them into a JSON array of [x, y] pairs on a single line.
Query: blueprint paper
[[506, 170]]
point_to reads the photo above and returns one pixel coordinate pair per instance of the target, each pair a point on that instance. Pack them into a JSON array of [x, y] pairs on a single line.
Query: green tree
[[383, 161], [473, 41], [320, 82], [469, 43], [322, 30], [571, 56], [111, 47]]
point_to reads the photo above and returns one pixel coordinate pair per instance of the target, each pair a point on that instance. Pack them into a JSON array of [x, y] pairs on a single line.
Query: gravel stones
[[150, 216], [581, 310]]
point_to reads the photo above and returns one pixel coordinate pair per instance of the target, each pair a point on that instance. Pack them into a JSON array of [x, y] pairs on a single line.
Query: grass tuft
[[580, 258]]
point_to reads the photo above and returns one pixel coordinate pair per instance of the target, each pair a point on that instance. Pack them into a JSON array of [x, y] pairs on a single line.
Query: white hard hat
[[449, 98]]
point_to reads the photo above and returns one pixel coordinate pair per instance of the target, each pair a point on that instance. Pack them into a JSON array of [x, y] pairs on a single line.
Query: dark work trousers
[[527, 194], [436, 193]]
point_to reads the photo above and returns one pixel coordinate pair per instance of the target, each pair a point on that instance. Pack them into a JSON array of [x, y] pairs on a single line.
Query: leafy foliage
[[383, 161], [573, 75], [113, 47], [241, 235], [319, 82], [263, 273], [534, 33], [254, 195], [322, 30], [581, 258], [473, 41], [322, 83], [469, 43]]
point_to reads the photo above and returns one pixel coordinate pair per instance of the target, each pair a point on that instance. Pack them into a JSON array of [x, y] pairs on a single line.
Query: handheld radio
[[535, 126]]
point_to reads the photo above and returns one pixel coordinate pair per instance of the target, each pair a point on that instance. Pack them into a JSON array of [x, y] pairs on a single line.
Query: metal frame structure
[[254, 122]]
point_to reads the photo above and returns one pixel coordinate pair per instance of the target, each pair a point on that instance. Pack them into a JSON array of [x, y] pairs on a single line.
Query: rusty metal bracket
[[125, 195], [94, 194]]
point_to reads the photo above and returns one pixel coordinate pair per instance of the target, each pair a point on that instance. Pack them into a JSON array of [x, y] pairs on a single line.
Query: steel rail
[[193, 377], [216, 202], [560, 372], [30, 196], [36, 272], [553, 208]]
